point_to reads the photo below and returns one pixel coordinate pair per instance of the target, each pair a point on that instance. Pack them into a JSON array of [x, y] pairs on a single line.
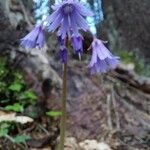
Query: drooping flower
[[102, 60], [77, 44], [34, 39], [63, 53], [68, 18], [60, 40]]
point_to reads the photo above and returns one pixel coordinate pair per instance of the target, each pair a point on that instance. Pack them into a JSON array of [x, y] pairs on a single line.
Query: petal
[[80, 21], [53, 16], [112, 62], [73, 24], [77, 44], [56, 23], [29, 41], [82, 9], [64, 27], [102, 51], [103, 67], [28, 44], [40, 40], [32, 35], [93, 59], [63, 54], [99, 67]]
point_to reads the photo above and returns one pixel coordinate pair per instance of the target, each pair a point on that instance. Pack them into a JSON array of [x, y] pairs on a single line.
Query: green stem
[[63, 117]]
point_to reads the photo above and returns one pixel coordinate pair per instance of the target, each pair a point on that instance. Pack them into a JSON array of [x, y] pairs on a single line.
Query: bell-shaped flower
[[60, 40], [102, 60], [63, 54], [68, 16], [77, 44], [35, 38]]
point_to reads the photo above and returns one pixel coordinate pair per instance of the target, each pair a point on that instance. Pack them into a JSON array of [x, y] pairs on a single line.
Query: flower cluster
[[68, 18]]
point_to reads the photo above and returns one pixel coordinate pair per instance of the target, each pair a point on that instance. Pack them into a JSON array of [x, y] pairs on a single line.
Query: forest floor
[[104, 113]]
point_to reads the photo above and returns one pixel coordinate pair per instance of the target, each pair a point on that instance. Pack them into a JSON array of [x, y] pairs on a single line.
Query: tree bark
[[126, 25]]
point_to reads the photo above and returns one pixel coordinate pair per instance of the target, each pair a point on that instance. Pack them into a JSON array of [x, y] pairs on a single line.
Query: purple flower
[[68, 18], [77, 44], [60, 40], [63, 54], [102, 60], [34, 38]]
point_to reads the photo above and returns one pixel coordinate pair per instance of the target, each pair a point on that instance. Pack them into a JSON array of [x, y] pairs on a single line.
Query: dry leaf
[[12, 117]]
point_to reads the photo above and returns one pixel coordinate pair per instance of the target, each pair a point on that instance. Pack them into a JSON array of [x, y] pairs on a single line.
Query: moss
[[140, 65]]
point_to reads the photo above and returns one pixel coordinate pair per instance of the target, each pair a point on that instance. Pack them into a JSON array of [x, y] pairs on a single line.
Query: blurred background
[[110, 110]]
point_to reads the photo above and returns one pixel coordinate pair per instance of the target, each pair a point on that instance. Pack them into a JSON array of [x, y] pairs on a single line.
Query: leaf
[[16, 87], [11, 117], [7, 116], [21, 138], [54, 113], [18, 77], [28, 95], [4, 128], [23, 119], [15, 107], [3, 132], [4, 125]]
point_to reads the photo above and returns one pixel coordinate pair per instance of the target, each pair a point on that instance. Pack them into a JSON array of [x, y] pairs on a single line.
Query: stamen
[[68, 8]]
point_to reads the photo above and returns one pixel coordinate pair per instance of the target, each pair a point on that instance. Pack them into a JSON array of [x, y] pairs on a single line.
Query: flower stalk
[[64, 111]]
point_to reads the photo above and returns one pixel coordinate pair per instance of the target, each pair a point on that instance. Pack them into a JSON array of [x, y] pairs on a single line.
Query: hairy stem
[[63, 117]]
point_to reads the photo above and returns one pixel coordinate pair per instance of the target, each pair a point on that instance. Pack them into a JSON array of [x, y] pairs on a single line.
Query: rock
[[93, 145], [46, 148], [129, 67], [71, 144], [38, 62]]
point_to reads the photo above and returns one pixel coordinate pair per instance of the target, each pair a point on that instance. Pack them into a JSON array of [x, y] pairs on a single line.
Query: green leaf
[[54, 113], [4, 125], [15, 107], [16, 87], [4, 129], [3, 132], [21, 138], [28, 95], [18, 77]]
